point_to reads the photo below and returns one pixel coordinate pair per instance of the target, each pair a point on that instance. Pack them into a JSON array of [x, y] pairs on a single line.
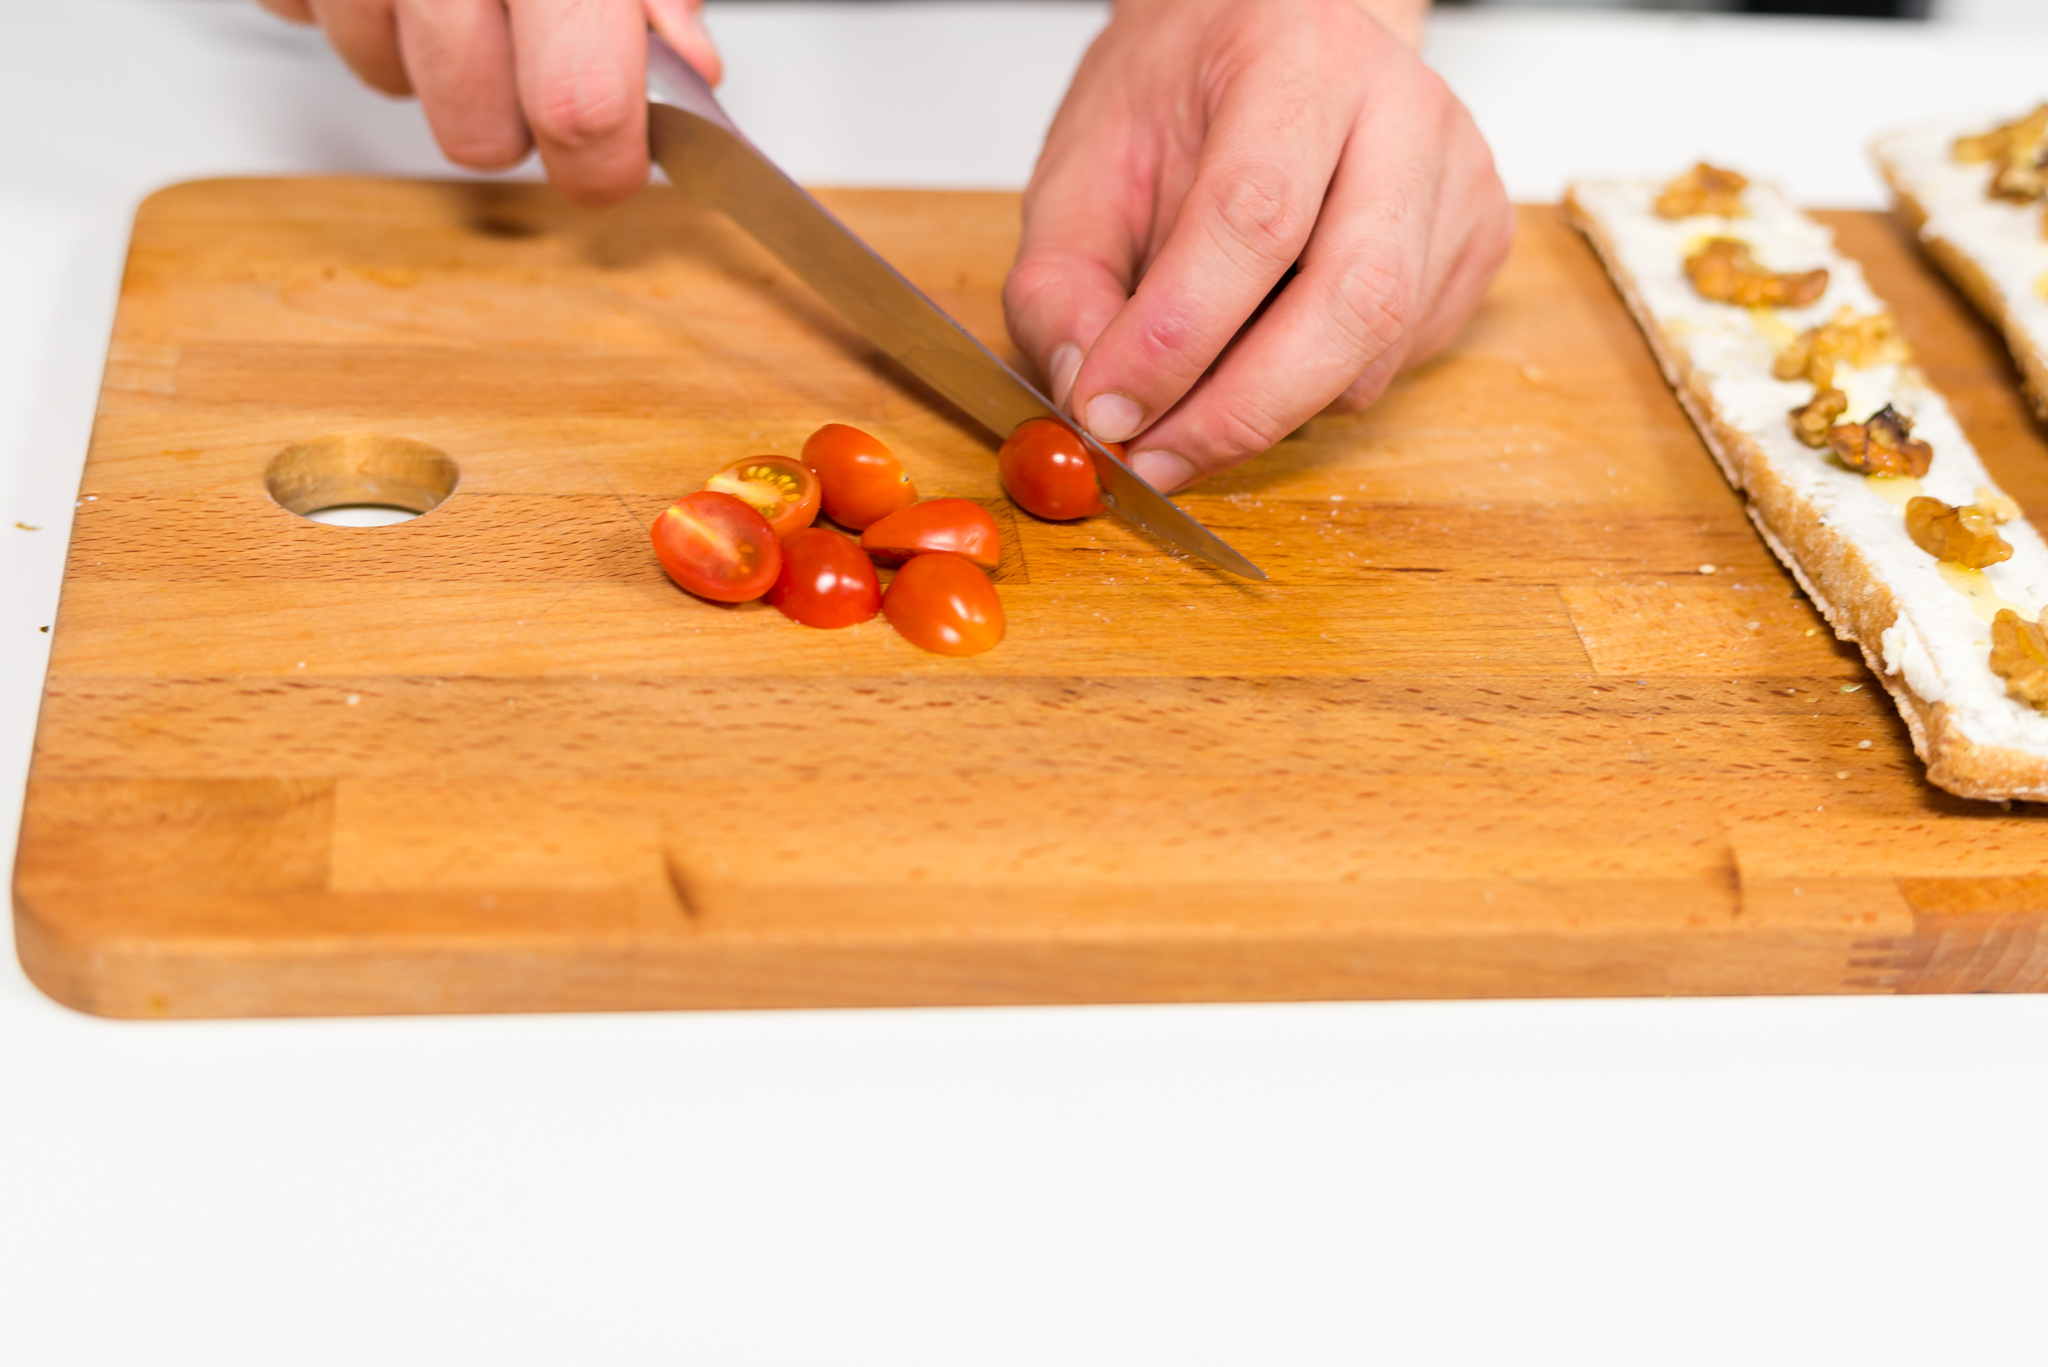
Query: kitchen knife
[[708, 157]]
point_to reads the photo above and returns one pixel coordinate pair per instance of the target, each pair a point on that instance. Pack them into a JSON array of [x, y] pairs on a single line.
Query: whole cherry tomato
[[1049, 472], [826, 580], [943, 603], [717, 547], [864, 482], [959, 525], [780, 489]]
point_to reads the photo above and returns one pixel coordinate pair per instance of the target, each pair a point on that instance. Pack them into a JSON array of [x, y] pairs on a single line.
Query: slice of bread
[[1995, 250], [1924, 626]]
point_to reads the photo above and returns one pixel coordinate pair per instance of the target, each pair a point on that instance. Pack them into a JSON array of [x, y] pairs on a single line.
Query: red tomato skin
[[864, 482], [943, 603], [717, 547], [1047, 471], [785, 491], [959, 525], [826, 581]]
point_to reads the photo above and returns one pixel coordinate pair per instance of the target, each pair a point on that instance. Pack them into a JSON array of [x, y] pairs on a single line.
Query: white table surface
[[1768, 1181]]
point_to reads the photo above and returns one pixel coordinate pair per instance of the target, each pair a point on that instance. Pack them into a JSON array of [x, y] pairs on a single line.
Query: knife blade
[[708, 158]]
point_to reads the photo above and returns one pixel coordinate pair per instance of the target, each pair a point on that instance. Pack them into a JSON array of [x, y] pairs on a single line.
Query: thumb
[[681, 23]]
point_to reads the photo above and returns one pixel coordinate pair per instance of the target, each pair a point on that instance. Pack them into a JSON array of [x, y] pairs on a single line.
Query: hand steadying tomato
[[717, 547], [1048, 472], [864, 482], [959, 525], [780, 489], [943, 603], [826, 580]]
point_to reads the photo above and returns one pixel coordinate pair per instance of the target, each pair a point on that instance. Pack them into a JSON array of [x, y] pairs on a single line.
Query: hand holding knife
[[707, 157]]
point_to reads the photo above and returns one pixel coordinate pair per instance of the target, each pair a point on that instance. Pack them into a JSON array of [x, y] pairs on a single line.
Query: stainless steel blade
[[708, 157]]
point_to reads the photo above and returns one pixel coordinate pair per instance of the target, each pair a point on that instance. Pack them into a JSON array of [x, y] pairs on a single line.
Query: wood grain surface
[[1493, 729]]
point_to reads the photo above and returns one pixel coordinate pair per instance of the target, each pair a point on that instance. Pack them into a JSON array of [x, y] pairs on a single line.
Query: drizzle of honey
[[1972, 584], [1897, 490], [1773, 329]]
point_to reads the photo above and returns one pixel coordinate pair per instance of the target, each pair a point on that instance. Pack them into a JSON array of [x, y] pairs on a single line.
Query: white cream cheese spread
[[1938, 644], [2003, 238]]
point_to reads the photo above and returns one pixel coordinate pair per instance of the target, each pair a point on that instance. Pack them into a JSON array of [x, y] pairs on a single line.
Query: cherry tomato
[[959, 525], [863, 481], [1048, 472], [780, 489], [826, 580], [717, 547], [943, 603]]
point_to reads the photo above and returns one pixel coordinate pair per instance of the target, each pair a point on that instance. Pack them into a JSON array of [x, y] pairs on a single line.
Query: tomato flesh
[[943, 603], [959, 525], [717, 547], [780, 489], [1047, 471], [826, 580], [864, 482]]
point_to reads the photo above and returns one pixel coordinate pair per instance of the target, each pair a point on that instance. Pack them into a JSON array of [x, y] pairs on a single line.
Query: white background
[[1578, 1182]]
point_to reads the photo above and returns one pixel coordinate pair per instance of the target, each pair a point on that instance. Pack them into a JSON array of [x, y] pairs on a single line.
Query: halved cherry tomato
[[780, 489], [717, 547], [943, 603], [959, 525], [864, 482], [1048, 472], [826, 580]]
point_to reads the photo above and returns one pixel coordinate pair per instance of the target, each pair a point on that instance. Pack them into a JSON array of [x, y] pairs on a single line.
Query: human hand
[[498, 78], [1205, 148]]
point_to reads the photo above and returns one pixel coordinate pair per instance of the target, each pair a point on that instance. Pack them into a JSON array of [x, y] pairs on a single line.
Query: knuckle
[[1027, 281], [1243, 429], [1050, 291], [1373, 303], [1432, 95], [582, 114], [1258, 211], [1364, 391], [1166, 339]]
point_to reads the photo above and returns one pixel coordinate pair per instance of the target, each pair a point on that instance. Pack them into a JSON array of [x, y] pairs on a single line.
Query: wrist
[[1403, 18]]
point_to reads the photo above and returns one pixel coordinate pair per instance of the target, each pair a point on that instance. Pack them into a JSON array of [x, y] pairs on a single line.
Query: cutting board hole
[[361, 479]]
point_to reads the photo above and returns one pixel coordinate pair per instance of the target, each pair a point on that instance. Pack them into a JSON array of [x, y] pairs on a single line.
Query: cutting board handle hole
[[361, 479]]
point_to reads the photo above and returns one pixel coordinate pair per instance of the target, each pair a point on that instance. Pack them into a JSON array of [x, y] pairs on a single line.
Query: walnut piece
[[1703, 190], [1859, 339], [2001, 507], [2019, 655], [1812, 422], [2018, 153], [1882, 446], [2003, 140], [1722, 269], [2021, 182], [1966, 536]]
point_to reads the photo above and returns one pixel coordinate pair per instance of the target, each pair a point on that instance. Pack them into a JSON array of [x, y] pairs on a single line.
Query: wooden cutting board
[[1527, 708]]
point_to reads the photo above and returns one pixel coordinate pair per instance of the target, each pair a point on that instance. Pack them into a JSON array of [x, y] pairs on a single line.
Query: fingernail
[[1163, 470], [1113, 417], [1061, 370]]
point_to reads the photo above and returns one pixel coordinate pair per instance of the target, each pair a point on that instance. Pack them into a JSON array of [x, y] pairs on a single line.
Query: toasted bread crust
[[2029, 353], [1843, 584]]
